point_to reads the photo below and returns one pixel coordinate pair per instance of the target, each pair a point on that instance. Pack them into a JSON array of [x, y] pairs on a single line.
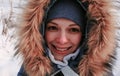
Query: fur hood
[[101, 39]]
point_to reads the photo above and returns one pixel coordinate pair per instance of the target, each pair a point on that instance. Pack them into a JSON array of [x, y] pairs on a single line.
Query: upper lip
[[61, 47]]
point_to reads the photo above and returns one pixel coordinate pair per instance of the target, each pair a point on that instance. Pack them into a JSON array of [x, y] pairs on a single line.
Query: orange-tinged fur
[[35, 63], [101, 41]]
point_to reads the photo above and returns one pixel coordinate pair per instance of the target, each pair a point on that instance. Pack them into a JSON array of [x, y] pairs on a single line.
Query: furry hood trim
[[101, 39]]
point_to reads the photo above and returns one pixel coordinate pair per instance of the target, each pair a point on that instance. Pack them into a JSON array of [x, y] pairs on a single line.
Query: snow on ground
[[116, 11], [9, 10], [10, 65]]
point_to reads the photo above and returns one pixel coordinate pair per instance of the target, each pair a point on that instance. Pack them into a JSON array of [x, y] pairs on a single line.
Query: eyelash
[[74, 30], [71, 30], [52, 28]]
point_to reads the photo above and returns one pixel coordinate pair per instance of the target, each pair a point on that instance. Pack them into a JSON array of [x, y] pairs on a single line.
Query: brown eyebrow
[[74, 25], [52, 23], [57, 24]]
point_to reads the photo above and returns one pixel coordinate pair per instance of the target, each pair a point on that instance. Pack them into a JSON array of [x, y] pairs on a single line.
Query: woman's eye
[[74, 30], [52, 28]]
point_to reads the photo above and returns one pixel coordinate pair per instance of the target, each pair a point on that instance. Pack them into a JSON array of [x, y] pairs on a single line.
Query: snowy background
[[9, 15]]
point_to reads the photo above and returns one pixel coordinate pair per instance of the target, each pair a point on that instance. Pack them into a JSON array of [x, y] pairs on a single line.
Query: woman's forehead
[[63, 21]]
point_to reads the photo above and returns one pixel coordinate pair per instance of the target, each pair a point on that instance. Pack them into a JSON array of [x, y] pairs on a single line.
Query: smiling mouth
[[61, 49]]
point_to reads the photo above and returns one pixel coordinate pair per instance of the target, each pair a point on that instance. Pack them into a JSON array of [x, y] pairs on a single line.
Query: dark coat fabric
[[97, 54]]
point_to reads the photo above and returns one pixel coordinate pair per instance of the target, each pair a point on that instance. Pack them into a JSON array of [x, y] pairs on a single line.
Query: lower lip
[[60, 52]]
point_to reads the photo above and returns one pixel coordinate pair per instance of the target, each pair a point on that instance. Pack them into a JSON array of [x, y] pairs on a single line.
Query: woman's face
[[63, 37]]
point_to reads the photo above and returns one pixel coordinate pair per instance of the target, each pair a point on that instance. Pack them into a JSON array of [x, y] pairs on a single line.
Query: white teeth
[[60, 49]]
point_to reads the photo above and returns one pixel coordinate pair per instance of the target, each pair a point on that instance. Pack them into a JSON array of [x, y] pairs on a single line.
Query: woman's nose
[[62, 38]]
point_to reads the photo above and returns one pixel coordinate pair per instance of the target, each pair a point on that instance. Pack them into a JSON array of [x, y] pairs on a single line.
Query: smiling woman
[[67, 38], [63, 37]]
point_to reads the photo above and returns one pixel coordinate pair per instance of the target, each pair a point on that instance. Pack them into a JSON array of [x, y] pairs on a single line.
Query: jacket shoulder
[[21, 72]]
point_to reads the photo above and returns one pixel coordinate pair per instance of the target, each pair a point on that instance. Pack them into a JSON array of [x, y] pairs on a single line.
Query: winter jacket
[[97, 54]]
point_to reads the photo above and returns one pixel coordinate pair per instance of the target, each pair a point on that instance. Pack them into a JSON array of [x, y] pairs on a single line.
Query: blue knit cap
[[69, 9]]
